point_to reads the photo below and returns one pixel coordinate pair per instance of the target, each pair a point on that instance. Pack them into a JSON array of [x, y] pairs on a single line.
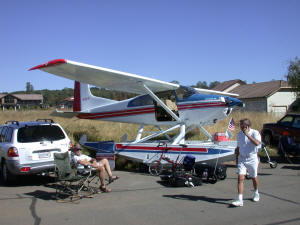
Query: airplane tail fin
[[84, 100]]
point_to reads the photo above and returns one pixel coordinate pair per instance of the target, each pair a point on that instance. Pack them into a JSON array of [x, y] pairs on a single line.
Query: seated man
[[101, 166]]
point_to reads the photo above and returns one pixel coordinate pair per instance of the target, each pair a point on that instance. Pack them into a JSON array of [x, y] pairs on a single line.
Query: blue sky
[[187, 41]]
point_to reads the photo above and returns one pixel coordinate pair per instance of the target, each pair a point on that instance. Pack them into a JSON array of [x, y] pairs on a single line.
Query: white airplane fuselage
[[196, 109]]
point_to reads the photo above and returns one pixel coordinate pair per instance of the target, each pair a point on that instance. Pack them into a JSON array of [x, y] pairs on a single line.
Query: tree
[[213, 84], [293, 76], [202, 84]]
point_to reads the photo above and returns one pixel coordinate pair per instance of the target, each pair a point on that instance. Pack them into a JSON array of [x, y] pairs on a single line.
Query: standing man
[[248, 143]]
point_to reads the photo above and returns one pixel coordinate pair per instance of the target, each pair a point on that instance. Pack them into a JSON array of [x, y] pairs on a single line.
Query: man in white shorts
[[100, 166], [248, 143]]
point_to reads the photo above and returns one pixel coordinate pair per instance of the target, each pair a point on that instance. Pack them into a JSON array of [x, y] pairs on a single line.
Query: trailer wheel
[[213, 179], [155, 168], [223, 176], [273, 164]]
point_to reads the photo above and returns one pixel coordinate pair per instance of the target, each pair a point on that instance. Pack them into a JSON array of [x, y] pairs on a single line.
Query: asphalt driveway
[[142, 199]]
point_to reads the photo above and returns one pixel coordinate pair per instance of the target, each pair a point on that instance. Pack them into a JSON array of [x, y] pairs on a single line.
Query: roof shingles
[[258, 90]]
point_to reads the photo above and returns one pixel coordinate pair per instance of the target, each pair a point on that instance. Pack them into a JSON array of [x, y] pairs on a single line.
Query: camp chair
[[69, 183]]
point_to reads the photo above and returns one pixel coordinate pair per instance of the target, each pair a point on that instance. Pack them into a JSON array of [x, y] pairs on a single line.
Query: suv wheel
[[267, 138], [6, 176]]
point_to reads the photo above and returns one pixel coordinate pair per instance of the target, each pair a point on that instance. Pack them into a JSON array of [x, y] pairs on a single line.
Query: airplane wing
[[207, 91], [103, 77]]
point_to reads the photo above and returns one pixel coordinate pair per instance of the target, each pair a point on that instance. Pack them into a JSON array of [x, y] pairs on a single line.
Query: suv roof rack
[[46, 120], [12, 122]]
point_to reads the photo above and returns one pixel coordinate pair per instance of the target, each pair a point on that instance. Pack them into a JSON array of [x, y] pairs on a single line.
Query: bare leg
[[255, 183], [101, 175], [240, 187], [106, 165]]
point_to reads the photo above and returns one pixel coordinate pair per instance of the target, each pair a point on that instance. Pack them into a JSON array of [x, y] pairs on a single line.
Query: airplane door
[[168, 98]]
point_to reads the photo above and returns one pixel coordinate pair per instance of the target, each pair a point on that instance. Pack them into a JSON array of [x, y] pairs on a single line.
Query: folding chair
[[69, 183]]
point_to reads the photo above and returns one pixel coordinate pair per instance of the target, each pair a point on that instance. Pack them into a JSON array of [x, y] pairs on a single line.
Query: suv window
[[40, 133], [286, 121], [8, 134], [296, 123], [2, 134]]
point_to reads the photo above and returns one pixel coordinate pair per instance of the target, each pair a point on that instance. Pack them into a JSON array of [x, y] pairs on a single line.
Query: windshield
[[185, 92], [40, 133]]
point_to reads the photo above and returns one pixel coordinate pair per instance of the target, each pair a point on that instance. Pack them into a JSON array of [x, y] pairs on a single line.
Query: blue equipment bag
[[189, 162]]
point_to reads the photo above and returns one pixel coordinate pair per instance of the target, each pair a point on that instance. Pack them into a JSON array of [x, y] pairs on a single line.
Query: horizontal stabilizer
[[63, 114]]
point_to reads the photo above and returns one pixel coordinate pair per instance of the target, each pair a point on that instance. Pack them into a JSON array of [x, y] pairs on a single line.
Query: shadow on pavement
[[223, 201], [292, 167], [44, 195], [30, 180]]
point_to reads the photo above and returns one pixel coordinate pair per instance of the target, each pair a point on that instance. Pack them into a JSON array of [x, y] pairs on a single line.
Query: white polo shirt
[[246, 147], [81, 157]]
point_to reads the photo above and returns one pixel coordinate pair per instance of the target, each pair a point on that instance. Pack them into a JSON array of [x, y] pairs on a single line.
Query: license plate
[[44, 155]]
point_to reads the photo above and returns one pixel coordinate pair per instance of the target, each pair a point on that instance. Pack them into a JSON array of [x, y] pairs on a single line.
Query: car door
[[294, 130], [283, 125]]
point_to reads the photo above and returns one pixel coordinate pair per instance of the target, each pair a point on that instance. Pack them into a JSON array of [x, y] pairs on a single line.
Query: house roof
[[29, 96], [25, 96], [68, 99], [258, 90], [227, 84]]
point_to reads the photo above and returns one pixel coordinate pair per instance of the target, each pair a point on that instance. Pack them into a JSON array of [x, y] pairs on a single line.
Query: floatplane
[[167, 106]]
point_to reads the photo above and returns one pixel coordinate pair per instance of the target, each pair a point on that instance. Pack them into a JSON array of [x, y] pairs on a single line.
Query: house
[[66, 103], [16, 101], [272, 96]]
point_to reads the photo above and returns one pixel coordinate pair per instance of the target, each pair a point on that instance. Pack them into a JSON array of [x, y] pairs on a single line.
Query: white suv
[[28, 147]]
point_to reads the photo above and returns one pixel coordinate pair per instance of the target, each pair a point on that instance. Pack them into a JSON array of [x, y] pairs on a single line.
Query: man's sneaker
[[255, 197], [237, 203]]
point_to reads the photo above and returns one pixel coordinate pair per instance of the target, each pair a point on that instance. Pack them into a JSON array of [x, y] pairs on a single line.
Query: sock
[[256, 191], [240, 197]]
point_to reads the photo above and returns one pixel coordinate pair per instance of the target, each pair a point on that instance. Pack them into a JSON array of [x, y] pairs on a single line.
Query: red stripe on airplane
[[133, 112], [130, 147], [115, 114], [201, 105]]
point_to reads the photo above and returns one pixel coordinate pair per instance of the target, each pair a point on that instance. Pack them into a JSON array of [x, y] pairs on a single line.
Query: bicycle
[[156, 167]]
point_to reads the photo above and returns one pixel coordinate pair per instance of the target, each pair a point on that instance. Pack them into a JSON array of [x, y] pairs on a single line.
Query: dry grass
[[101, 130], [257, 119]]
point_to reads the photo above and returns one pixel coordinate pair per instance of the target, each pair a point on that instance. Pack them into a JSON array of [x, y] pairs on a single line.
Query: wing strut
[[205, 132], [156, 134], [161, 103]]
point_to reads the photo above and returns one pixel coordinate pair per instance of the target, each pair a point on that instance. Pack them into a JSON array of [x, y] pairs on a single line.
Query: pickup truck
[[287, 125]]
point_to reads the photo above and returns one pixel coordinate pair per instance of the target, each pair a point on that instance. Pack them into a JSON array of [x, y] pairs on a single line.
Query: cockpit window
[[141, 101], [184, 92]]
